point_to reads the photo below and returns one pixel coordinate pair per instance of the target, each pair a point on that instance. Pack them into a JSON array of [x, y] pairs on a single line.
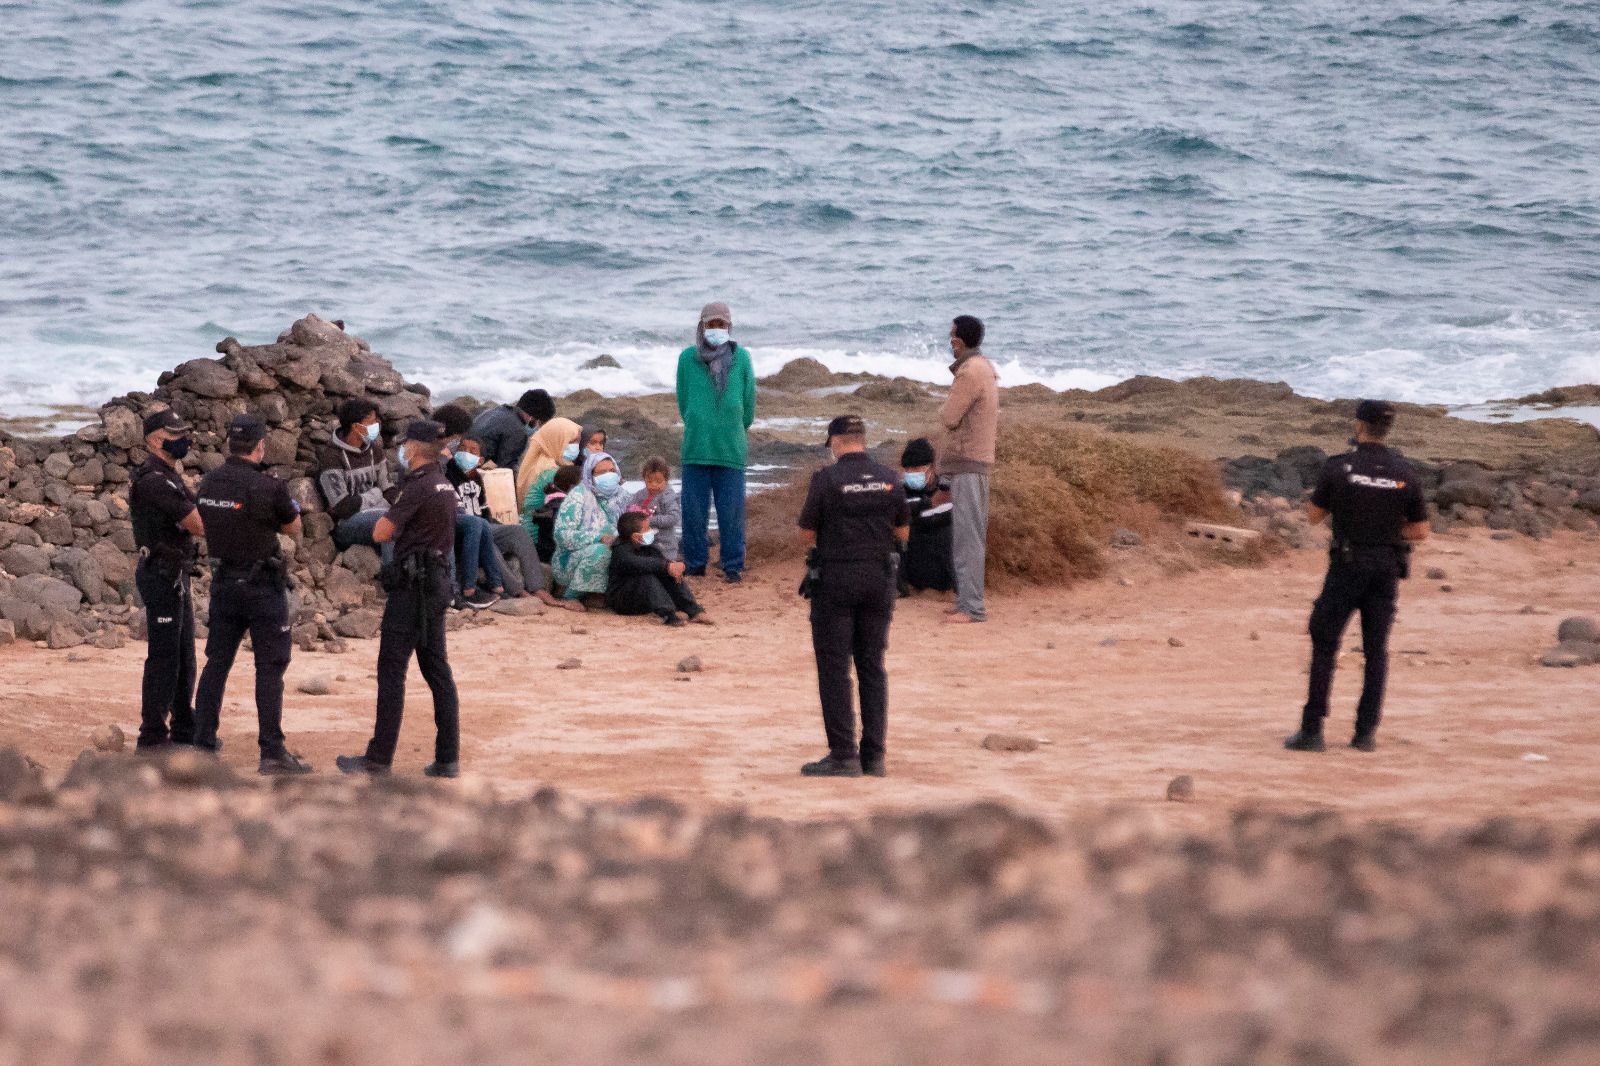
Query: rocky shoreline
[[67, 551]]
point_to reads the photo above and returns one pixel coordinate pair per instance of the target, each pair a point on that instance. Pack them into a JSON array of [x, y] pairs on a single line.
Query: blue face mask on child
[[916, 481], [467, 461], [608, 483], [570, 452], [647, 538]]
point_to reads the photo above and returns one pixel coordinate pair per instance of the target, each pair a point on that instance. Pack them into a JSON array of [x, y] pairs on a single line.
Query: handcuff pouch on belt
[[172, 563], [1345, 553], [264, 571]]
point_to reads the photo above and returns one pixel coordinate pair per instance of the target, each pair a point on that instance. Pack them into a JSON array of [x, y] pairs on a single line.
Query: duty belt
[[262, 570]]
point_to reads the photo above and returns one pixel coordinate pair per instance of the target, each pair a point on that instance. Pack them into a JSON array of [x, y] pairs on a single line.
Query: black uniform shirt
[[1371, 492], [243, 509], [424, 516], [854, 507], [157, 501]]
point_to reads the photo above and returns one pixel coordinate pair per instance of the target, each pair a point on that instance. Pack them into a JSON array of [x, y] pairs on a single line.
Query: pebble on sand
[[1009, 742], [570, 664], [109, 738], [1174, 642], [315, 686], [1180, 789], [690, 665]]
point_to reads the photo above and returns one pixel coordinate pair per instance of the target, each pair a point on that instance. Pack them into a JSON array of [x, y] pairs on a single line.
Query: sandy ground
[[1090, 672]]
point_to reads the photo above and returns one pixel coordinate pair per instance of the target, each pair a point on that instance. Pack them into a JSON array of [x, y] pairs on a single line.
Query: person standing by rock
[[853, 522], [717, 401], [244, 509], [1375, 499], [165, 525], [971, 418], [353, 473], [422, 527], [504, 430]]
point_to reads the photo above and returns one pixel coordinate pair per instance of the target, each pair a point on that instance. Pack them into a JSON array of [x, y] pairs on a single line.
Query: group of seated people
[[581, 540]]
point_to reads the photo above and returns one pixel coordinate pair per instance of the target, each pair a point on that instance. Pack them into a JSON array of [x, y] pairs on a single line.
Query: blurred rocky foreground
[[169, 913]]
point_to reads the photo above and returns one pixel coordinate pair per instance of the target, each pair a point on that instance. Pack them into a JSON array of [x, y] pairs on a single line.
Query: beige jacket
[[971, 417]]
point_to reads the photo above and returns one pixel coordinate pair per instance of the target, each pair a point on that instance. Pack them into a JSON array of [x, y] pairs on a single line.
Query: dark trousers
[[413, 623], [850, 613], [259, 607], [655, 594], [167, 694], [1370, 585], [702, 485]]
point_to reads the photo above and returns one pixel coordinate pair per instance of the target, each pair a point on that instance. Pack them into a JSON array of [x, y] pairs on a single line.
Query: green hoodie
[[715, 427]]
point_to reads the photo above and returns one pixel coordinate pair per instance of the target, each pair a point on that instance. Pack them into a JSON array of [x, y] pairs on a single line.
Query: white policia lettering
[[226, 505], [1376, 482], [871, 486]]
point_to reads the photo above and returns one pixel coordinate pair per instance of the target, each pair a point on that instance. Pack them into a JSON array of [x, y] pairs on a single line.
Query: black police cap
[[164, 419], [247, 430], [1375, 412], [846, 426], [424, 432]]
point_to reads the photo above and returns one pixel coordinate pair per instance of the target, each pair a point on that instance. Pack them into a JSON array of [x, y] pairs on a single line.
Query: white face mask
[[372, 432], [647, 538], [570, 452], [716, 338]]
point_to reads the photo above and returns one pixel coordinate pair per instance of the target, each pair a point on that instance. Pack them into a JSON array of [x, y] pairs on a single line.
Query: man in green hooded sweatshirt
[[717, 401]]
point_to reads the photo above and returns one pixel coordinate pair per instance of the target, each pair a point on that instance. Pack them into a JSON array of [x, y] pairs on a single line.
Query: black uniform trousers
[[413, 623], [166, 710], [655, 594], [850, 612], [1369, 583], [239, 605]]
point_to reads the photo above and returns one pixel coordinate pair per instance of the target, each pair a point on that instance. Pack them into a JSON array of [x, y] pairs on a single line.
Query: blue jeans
[[358, 528], [475, 551], [700, 485]]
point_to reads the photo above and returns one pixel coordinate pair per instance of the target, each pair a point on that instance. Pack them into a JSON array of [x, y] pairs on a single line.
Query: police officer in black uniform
[[854, 520], [244, 509], [1375, 498], [422, 524], [164, 527]]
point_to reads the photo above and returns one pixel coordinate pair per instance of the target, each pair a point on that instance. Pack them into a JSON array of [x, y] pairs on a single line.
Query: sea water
[[1356, 198]]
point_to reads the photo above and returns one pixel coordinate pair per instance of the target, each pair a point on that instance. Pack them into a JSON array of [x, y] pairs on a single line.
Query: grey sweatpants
[[515, 545], [969, 533]]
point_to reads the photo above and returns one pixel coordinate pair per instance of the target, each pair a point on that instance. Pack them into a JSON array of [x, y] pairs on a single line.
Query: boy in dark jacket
[[642, 581], [544, 519], [927, 563]]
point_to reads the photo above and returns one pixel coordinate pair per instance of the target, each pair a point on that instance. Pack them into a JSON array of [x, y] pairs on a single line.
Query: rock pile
[[67, 553], [1533, 503], [544, 929]]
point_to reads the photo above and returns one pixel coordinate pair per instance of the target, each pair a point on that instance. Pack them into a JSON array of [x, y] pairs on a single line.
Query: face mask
[[467, 461], [177, 448], [716, 338], [570, 452], [647, 538], [372, 433], [917, 481], [608, 483], [405, 459]]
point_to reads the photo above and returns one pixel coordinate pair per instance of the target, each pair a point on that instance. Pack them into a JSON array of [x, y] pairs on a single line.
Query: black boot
[[874, 767], [1305, 740], [442, 769], [360, 764], [1364, 742], [828, 766], [283, 764]]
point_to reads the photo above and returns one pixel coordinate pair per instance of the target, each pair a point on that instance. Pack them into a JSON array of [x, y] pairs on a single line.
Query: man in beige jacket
[[971, 417]]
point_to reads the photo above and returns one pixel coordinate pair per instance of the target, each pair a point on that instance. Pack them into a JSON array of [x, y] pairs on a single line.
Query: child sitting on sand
[[658, 502], [643, 581], [927, 563]]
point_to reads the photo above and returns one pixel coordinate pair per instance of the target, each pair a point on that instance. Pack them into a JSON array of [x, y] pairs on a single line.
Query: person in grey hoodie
[[659, 502], [353, 473]]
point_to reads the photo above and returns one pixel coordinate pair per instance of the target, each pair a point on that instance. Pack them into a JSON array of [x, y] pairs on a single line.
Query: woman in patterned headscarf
[[586, 526]]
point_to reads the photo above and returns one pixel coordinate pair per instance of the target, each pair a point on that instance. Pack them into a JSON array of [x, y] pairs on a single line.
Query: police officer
[[244, 509], [422, 525], [854, 519], [164, 527], [1375, 498]]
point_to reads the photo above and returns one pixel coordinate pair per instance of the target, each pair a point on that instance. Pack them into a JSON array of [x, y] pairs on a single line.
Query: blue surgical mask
[[570, 452], [467, 461], [716, 338], [647, 538], [373, 431], [917, 480], [608, 483], [405, 458]]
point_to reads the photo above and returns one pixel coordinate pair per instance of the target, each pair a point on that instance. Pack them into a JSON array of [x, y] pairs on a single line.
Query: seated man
[[474, 542], [927, 561], [354, 474], [642, 581], [510, 543]]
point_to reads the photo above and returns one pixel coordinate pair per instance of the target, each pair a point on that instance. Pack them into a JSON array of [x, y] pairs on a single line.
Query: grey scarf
[[718, 361]]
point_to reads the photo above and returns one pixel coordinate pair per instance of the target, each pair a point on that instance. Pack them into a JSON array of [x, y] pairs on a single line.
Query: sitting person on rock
[[644, 581], [474, 542], [594, 440], [659, 502], [516, 555], [354, 474], [553, 446], [585, 529], [544, 519], [927, 563]]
